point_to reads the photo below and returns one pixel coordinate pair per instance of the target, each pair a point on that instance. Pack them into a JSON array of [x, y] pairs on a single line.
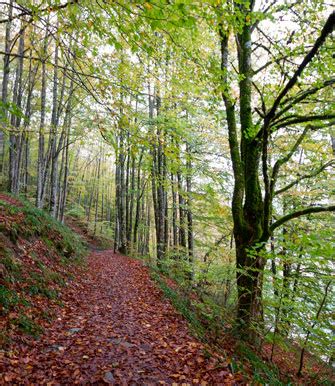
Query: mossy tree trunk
[[254, 179]]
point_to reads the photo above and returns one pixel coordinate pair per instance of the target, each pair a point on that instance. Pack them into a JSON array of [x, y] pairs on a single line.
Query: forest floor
[[105, 323], [115, 327]]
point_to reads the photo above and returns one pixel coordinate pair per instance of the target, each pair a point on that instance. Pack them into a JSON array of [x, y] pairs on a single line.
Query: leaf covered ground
[[114, 327], [38, 260]]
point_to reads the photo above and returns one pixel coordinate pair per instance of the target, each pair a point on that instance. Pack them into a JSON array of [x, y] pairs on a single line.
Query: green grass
[[21, 282], [8, 299], [263, 372], [205, 322], [181, 304], [40, 284], [28, 326], [38, 223], [12, 267]]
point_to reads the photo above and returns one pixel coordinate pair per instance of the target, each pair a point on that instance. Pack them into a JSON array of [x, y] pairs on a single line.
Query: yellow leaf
[[148, 6]]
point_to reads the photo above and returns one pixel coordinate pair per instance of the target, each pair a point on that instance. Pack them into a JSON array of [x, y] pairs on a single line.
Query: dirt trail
[[116, 328]]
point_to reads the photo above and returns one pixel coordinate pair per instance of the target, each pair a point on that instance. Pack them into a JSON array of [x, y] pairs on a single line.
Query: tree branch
[[302, 96], [299, 213], [31, 13], [285, 159], [304, 177], [52, 64], [294, 119], [326, 30]]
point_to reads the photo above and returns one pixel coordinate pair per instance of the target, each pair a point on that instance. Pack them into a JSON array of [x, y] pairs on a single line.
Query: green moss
[[28, 326], [10, 264], [37, 222], [4, 339], [8, 299], [53, 277], [40, 285], [13, 269], [20, 280], [38, 289]]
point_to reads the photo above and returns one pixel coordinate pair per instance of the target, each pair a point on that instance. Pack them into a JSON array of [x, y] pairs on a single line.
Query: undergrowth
[[207, 321], [37, 258]]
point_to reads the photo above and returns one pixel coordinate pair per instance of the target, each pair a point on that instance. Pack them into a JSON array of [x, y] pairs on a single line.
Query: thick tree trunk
[[249, 288]]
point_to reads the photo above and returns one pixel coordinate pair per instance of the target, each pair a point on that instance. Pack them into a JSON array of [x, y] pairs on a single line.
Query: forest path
[[117, 328]]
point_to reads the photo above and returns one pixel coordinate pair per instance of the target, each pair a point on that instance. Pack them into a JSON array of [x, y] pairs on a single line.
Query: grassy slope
[[38, 259]]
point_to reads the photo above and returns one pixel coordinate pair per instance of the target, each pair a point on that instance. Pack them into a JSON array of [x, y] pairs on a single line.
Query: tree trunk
[[5, 81], [15, 138], [188, 204]]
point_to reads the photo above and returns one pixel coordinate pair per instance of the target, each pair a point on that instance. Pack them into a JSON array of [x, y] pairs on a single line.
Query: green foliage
[[263, 372], [28, 326], [9, 299], [181, 303], [40, 285], [13, 268], [297, 308], [76, 211], [177, 267], [38, 223]]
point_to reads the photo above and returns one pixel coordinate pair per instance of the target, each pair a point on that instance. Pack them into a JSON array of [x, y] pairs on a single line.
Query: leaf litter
[[115, 327]]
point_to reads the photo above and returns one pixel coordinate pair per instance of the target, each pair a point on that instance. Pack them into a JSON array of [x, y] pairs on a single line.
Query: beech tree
[[254, 178], [187, 132]]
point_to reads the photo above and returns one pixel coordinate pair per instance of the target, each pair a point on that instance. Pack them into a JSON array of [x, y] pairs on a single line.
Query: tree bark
[[5, 81]]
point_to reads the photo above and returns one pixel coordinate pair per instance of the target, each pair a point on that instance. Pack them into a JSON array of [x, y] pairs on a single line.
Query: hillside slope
[[38, 260]]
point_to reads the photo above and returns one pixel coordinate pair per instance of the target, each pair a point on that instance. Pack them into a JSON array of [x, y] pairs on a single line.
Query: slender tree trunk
[[182, 223], [97, 198], [5, 81], [66, 174], [117, 198], [174, 213], [15, 138], [41, 135], [54, 129], [188, 204], [138, 199], [25, 135], [131, 204]]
